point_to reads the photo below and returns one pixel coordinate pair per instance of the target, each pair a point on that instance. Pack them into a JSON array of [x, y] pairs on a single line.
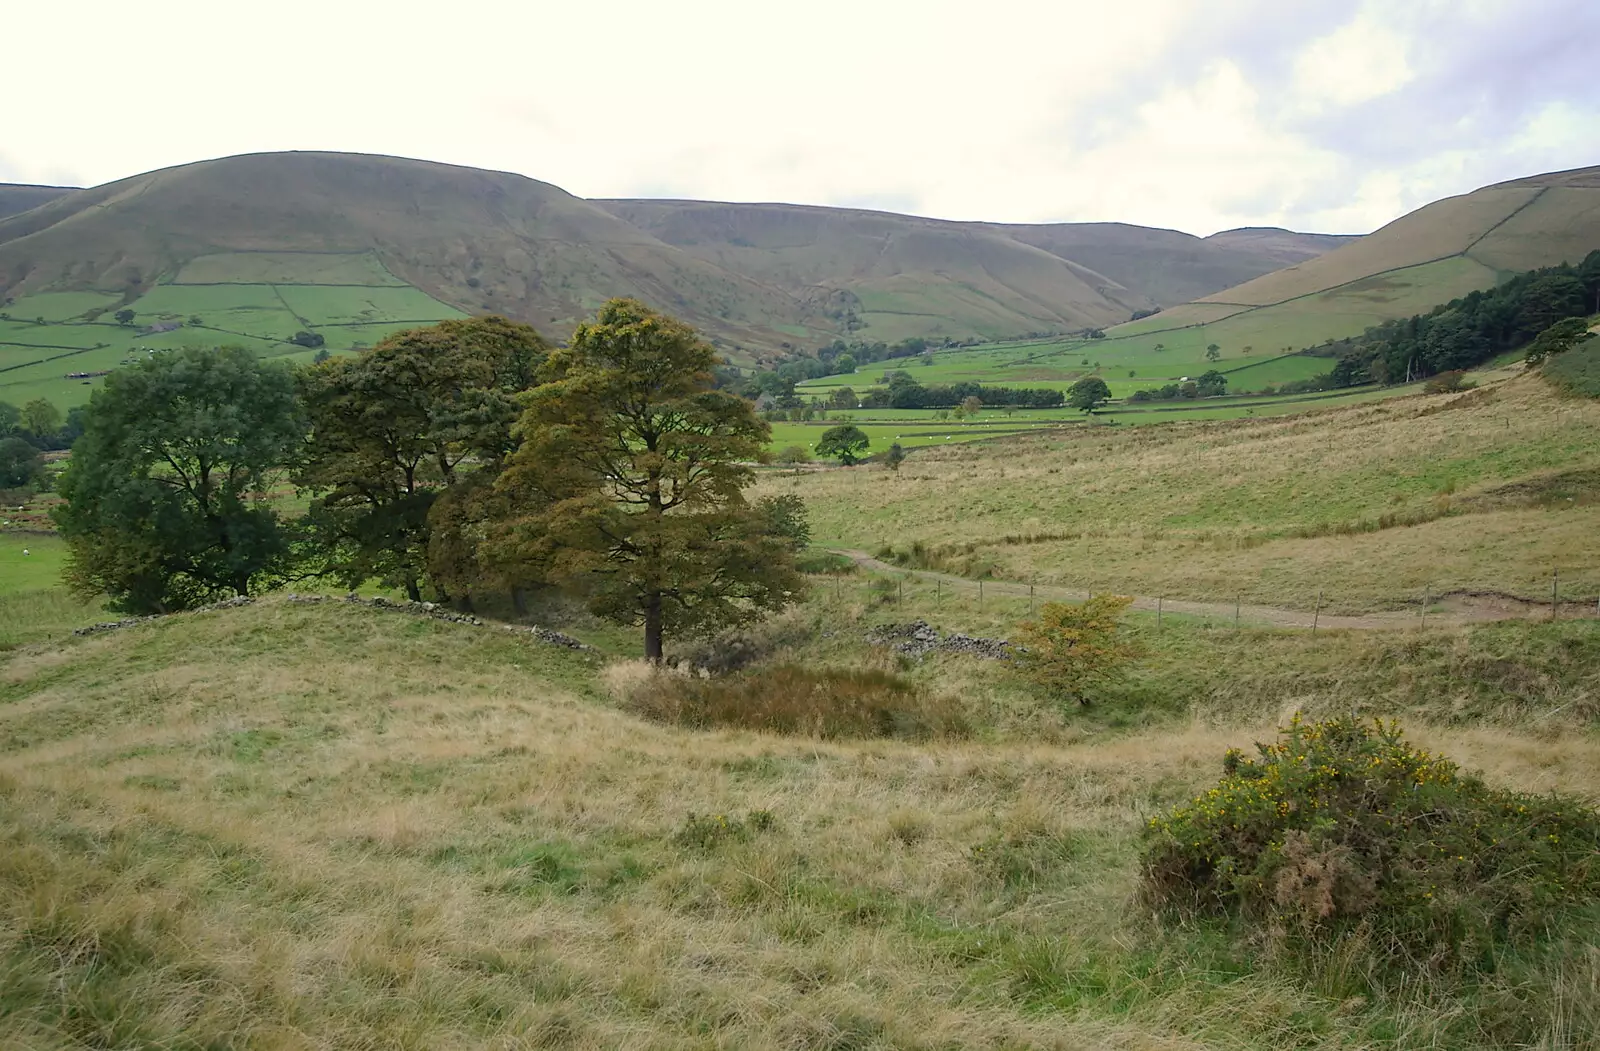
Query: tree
[[843, 398], [41, 418], [847, 443], [123, 316], [972, 404], [786, 519], [308, 339], [844, 364], [393, 426], [628, 484], [10, 418], [165, 491], [1558, 338], [20, 463], [1074, 647], [1213, 352], [1088, 394], [1212, 384], [894, 457]]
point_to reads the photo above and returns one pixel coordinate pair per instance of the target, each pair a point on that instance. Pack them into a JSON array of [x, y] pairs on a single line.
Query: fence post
[[938, 592], [1158, 612], [1316, 617], [1555, 593], [901, 601], [1236, 601], [1030, 598], [980, 593], [1427, 596]]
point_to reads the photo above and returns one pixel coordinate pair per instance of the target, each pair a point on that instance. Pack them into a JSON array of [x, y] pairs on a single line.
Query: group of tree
[[452, 460], [904, 392], [1212, 384], [1469, 331], [26, 434]]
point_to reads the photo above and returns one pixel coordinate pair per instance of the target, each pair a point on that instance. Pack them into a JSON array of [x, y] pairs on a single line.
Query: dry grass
[[1272, 511], [303, 827]]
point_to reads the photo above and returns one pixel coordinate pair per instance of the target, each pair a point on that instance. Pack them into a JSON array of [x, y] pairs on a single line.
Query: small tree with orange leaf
[[1076, 646]]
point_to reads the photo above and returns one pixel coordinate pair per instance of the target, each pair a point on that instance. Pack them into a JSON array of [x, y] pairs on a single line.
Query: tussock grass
[[788, 699], [287, 825]]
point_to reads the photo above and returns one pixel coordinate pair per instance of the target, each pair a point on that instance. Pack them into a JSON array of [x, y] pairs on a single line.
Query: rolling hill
[[759, 279], [1427, 257]]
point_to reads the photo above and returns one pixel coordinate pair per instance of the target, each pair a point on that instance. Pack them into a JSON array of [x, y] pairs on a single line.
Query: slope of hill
[[19, 197], [1427, 257], [478, 240], [899, 275]]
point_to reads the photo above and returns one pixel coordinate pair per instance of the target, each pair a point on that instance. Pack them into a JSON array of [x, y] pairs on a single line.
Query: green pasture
[[36, 358], [287, 268], [318, 305]]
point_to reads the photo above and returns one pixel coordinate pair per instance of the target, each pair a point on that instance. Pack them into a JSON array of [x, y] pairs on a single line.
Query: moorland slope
[[19, 197], [1428, 257], [757, 278]]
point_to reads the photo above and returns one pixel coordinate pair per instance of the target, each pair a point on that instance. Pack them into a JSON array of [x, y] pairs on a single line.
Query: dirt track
[[1448, 609]]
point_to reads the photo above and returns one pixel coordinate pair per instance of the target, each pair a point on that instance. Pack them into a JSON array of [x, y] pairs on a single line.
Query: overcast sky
[[1333, 115]]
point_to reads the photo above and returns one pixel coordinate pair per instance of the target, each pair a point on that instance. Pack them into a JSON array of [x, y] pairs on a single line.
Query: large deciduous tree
[[628, 483], [393, 427], [1088, 394], [165, 492]]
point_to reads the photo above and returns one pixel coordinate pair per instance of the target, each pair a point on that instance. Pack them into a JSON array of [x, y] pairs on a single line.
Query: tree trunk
[[652, 628], [413, 592]]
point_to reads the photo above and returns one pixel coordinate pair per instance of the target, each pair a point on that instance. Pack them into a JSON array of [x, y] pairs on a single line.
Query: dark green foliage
[[392, 427], [803, 702], [1558, 339], [1089, 394], [164, 492], [846, 442], [10, 418], [1467, 332], [1342, 834], [123, 316], [895, 456], [307, 339], [786, 519], [20, 463]]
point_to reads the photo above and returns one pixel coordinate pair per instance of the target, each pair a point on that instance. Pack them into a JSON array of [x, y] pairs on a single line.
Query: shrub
[[793, 454], [1074, 647], [1577, 371], [801, 702], [1342, 833], [1446, 383], [710, 831]]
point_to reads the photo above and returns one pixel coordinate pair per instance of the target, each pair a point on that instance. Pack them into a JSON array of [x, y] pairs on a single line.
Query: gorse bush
[[1342, 833], [800, 701]]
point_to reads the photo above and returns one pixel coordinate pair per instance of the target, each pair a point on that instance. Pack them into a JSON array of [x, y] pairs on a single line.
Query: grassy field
[[1488, 491], [318, 825], [348, 299]]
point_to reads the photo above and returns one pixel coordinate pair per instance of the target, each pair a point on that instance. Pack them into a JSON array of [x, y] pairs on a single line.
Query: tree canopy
[[164, 490], [846, 442], [391, 428], [628, 482], [1089, 394]]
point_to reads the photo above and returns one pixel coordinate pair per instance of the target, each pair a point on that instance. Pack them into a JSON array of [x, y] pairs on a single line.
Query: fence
[[886, 585]]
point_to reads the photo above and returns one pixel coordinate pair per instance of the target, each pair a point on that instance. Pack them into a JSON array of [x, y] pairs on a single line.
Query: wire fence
[[890, 586]]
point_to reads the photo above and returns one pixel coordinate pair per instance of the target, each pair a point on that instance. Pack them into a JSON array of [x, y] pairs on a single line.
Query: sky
[[1199, 115]]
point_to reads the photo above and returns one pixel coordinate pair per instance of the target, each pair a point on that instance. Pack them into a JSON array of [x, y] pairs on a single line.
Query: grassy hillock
[[331, 825], [1377, 505]]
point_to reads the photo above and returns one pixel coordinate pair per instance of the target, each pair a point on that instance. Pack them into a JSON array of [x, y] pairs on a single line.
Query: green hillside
[[1428, 257]]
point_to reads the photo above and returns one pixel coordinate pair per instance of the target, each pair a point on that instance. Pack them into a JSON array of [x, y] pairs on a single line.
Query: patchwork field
[[256, 300]]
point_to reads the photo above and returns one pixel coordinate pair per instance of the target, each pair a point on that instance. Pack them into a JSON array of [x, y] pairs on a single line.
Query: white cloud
[[1357, 63]]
